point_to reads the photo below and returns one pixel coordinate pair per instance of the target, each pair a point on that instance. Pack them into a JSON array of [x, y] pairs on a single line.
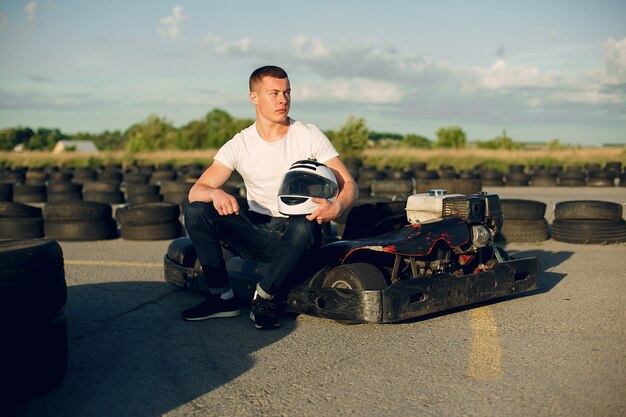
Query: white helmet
[[306, 179]]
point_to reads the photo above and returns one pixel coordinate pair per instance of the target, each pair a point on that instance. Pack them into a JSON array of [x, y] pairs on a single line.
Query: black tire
[[600, 182], [391, 186], [356, 276], [115, 197], [453, 186], [175, 187], [427, 174], [101, 187], [29, 193], [80, 230], [543, 179], [176, 198], [513, 208], [64, 187], [148, 213], [317, 280], [12, 209], [572, 182], [77, 210], [589, 231], [161, 231], [32, 279], [182, 252], [162, 176], [517, 179], [64, 197], [136, 178], [588, 210], [135, 188], [515, 230], [143, 198], [21, 227]]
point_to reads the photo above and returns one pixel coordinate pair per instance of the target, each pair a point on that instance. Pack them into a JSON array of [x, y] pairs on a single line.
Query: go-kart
[[395, 260]]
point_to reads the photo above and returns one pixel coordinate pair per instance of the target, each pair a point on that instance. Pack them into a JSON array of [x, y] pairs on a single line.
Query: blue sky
[[539, 69]]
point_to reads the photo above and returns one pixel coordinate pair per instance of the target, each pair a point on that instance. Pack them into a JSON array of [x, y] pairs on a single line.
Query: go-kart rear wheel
[[356, 276]]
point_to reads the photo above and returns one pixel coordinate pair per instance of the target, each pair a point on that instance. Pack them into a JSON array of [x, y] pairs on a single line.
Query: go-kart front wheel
[[356, 276]]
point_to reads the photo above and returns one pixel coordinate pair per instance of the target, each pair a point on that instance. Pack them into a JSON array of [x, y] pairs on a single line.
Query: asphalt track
[[558, 351]]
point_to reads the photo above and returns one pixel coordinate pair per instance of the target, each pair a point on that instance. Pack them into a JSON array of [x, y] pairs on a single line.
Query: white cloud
[[399, 85], [31, 10], [502, 76], [615, 59], [356, 90], [168, 26], [225, 47], [309, 48]]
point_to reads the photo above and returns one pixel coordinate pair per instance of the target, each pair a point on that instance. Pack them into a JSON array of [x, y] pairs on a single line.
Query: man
[[261, 154]]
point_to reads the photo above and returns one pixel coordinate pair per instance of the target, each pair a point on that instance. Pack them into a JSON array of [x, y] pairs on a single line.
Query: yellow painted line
[[113, 263], [486, 354]]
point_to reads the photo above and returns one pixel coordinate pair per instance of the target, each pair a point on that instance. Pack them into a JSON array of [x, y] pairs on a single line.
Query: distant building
[[74, 146]]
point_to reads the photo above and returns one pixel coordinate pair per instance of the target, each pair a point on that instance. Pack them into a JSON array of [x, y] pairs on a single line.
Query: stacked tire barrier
[[33, 292], [20, 221], [588, 221], [149, 221], [524, 221], [79, 221]]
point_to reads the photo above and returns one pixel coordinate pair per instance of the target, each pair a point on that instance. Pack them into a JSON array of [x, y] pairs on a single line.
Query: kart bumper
[[416, 297]]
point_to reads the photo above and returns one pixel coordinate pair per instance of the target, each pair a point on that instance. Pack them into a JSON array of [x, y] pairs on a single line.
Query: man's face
[[272, 98]]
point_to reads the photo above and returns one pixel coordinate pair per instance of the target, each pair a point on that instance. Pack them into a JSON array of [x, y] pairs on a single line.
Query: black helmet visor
[[300, 183]]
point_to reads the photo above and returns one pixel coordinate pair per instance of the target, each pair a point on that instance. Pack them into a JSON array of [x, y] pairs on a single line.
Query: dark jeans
[[288, 244]]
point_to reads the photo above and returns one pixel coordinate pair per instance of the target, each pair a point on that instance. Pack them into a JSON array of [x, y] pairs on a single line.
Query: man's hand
[[225, 203], [327, 211]]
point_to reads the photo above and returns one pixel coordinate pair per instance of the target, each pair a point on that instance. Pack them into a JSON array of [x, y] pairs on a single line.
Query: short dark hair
[[266, 71]]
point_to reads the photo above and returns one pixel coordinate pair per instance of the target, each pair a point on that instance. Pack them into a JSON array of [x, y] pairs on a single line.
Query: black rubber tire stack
[[149, 221], [174, 191], [543, 179], [79, 221], [492, 178], [524, 221], [137, 193], [107, 191], [20, 221], [29, 193], [601, 178], [572, 177], [517, 179], [367, 175], [392, 188], [64, 191], [452, 186], [588, 221], [33, 292]]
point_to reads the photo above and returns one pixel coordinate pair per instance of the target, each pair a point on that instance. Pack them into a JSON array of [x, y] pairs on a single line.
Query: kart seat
[[374, 218]]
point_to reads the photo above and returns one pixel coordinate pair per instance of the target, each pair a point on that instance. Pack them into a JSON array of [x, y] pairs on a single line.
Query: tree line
[[217, 127]]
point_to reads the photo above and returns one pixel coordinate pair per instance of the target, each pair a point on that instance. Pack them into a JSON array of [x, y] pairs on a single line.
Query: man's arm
[[348, 194], [207, 189]]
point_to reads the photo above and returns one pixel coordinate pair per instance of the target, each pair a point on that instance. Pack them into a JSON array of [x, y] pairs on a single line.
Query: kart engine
[[481, 212]]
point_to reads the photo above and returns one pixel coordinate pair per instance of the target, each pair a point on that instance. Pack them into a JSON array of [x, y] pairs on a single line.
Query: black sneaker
[[212, 307], [264, 313]]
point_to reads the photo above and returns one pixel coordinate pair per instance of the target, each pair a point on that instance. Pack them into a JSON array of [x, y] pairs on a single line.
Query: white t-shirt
[[262, 164]]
